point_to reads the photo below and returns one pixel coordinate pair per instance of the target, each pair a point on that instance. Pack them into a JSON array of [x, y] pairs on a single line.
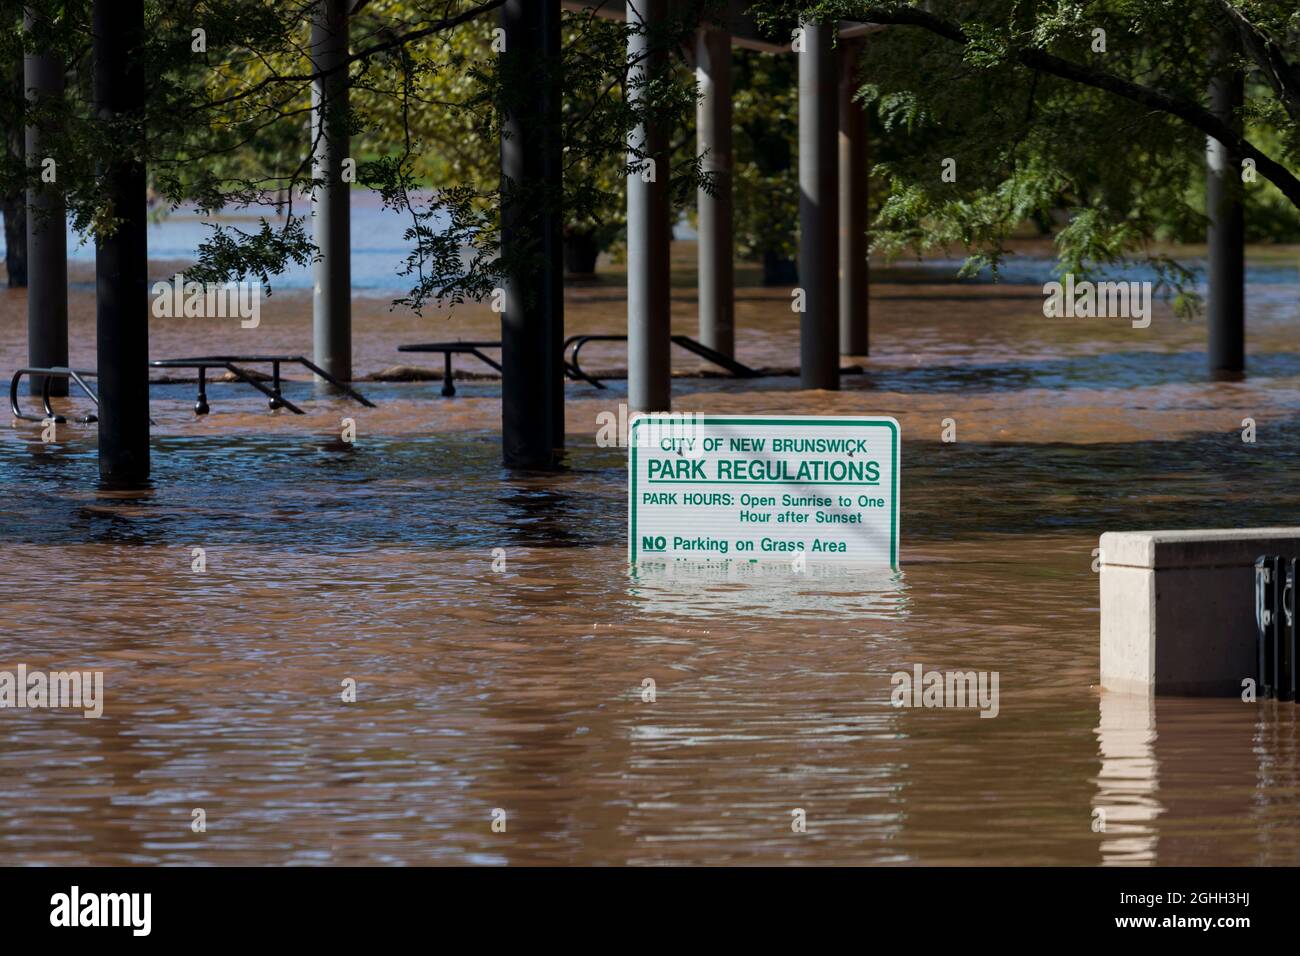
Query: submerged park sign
[[756, 488]]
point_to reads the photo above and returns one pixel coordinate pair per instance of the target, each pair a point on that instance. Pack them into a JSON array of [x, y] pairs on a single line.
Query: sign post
[[716, 488]]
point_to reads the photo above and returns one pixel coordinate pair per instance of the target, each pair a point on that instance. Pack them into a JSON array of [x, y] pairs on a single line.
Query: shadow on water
[[302, 492], [1209, 480], [449, 491]]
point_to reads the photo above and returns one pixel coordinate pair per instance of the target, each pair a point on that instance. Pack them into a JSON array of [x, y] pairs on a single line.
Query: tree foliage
[[1088, 114], [227, 124]]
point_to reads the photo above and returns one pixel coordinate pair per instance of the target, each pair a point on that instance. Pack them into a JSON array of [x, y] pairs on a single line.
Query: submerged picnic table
[[201, 363], [204, 362], [448, 349], [571, 366]]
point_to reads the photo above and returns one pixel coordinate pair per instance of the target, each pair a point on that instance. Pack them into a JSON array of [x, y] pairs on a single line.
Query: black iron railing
[[571, 367], [58, 371], [725, 362], [448, 349], [277, 400]]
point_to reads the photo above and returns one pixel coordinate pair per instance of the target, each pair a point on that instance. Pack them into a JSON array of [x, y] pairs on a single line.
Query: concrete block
[[1178, 608]]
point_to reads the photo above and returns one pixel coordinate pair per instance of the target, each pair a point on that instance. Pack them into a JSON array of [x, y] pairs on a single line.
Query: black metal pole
[[819, 359], [1226, 235], [121, 259], [47, 246], [330, 200], [532, 325], [854, 320]]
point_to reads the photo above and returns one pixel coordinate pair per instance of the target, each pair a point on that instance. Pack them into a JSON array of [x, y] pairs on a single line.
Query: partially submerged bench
[[448, 349], [572, 346], [1178, 608], [200, 363], [204, 362]]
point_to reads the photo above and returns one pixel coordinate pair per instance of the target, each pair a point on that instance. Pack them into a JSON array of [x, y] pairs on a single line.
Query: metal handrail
[[737, 369], [57, 371]]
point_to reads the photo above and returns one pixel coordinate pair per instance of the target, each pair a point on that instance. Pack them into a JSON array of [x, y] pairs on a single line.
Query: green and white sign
[[754, 488]]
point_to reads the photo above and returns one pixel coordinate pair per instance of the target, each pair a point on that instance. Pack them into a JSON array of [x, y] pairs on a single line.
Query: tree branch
[[1191, 113], [402, 39], [1268, 56]]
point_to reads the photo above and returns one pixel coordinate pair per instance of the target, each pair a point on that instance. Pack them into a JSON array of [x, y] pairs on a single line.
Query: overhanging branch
[[1033, 58], [1270, 59]]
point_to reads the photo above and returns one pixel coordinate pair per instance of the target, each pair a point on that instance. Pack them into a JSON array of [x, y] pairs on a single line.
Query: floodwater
[[521, 688]]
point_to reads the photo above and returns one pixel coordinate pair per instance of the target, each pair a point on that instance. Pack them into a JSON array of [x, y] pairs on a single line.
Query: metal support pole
[[47, 244], [819, 363], [122, 259], [854, 315], [714, 212], [1226, 234], [332, 230], [648, 229], [532, 325]]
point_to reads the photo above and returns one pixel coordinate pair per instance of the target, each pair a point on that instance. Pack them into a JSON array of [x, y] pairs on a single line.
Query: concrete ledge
[[1194, 549], [1178, 608]]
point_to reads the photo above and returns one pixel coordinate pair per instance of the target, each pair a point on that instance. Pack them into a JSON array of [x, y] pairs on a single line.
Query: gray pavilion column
[[332, 221], [122, 259], [532, 325], [714, 213], [648, 230], [854, 310], [1226, 234], [819, 363], [47, 245]]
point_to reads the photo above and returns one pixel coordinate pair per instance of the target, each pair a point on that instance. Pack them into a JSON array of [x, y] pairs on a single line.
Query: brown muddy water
[[521, 689]]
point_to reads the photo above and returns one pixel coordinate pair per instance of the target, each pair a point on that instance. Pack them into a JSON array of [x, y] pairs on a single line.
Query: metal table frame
[[450, 348], [571, 366], [204, 362]]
